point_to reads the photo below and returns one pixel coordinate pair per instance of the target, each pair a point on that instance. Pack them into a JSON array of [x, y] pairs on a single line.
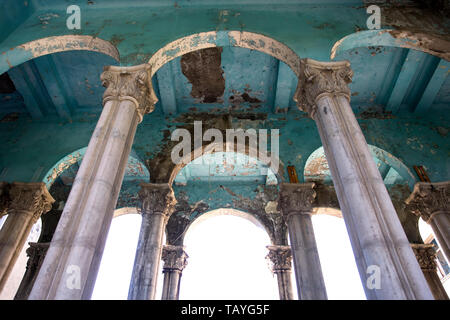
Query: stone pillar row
[[378, 240], [431, 201], [73, 258], [26, 203]]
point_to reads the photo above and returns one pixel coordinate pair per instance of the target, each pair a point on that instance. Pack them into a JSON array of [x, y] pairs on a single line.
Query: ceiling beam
[[27, 81], [283, 87], [434, 85], [166, 84], [55, 86]]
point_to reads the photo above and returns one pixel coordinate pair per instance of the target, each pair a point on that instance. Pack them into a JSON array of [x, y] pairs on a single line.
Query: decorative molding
[[157, 198], [296, 198], [130, 83], [319, 78], [280, 258], [426, 256], [174, 257], [32, 198], [429, 198], [4, 198]]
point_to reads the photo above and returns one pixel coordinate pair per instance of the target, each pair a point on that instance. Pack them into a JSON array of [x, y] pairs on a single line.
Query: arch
[[210, 39], [393, 38], [223, 212], [37, 48], [227, 147], [134, 166], [125, 210], [316, 166]]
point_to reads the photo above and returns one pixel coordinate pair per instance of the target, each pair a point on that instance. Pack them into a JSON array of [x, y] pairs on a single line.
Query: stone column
[[158, 202], [36, 254], [28, 202], [431, 201], [385, 260], [296, 205], [426, 256], [72, 261], [175, 260], [280, 258]]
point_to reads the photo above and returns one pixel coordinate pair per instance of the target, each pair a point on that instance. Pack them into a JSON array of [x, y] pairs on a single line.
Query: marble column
[[296, 206], [431, 201], [72, 261], [157, 203], [28, 202], [280, 258], [175, 260], [426, 256], [385, 260], [36, 254]]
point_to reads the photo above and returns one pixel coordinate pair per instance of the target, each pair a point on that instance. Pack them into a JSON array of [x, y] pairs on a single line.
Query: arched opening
[[338, 264], [18, 271], [443, 265], [113, 278], [227, 250]]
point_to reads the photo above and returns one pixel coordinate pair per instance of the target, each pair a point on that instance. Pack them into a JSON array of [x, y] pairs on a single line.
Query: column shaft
[[440, 223], [158, 201], [308, 271], [72, 261], [28, 202], [280, 258], [175, 260], [381, 249]]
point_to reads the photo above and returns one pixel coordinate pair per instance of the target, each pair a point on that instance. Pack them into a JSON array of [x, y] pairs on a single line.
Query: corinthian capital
[[296, 198], [319, 78], [130, 83], [174, 257], [425, 255], [157, 198], [280, 258], [30, 198], [428, 198]]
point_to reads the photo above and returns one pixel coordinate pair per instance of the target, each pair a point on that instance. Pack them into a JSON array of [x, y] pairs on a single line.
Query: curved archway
[[392, 38], [252, 156], [244, 39], [49, 45], [391, 168], [227, 259], [135, 167]]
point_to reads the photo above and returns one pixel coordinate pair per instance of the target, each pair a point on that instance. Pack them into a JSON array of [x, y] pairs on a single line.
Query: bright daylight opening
[[227, 261]]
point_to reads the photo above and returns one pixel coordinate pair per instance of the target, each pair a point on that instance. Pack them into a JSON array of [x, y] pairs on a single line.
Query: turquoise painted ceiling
[[385, 79]]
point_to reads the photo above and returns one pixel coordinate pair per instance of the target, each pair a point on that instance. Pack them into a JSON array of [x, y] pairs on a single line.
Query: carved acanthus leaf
[[280, 258], [157, 198], [425, 255], [296, 198], [318, 78], [428, 198], [32, 198], [133, 83], [174, 257]]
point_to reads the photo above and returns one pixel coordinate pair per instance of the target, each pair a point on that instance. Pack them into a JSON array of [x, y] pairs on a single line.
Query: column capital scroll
[[319, 78], [174, 257], [429, 198], [280, 258], [32, 198], [157, 198], [296, 198], [130, 83], [426, 256]]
